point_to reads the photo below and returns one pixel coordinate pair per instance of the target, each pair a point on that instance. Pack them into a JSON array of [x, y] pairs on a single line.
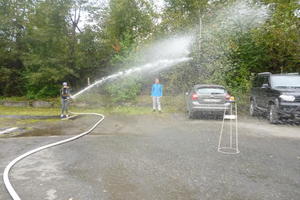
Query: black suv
[[278, 95]]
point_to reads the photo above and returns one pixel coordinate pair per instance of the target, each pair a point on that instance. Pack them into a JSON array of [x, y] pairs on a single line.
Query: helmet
[[65, 83]]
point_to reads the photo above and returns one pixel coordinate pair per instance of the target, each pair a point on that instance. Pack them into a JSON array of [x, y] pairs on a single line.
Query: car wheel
[[273, 114], [253, 110]]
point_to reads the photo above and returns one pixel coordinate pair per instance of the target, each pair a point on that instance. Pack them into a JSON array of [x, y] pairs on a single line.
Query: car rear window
[[211, 90], [285, 81]]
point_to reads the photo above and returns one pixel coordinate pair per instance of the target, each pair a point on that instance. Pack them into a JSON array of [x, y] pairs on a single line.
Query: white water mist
[[156, 66], [218, 34]]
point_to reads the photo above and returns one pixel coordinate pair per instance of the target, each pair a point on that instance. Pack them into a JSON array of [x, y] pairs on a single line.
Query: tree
[[273, 47], [128, 24], [13, 22], [46, 60], [128, 20]]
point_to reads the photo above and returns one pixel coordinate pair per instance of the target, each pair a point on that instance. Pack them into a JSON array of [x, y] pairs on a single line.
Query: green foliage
[[231, 59], [245, 57], [41, 45], [13, 17], [128, 18], [274, 47], [45, 61], [124, 90], [92, 54], [127, 24], [280, 38]]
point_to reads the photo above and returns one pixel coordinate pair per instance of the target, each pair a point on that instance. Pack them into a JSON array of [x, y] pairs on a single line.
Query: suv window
[[256, 81], [260, 80], [285, 81], [266, 80]]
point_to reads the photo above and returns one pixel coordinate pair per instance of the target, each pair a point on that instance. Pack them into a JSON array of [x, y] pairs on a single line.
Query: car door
[[265, 92], [257, 91], [188, 98], [254, 90]]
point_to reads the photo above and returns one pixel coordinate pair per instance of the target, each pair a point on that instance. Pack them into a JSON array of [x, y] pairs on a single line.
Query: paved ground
[[156, 157]]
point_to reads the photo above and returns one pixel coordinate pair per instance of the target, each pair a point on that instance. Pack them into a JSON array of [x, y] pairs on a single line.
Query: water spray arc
[[156, 66], [160, 55]]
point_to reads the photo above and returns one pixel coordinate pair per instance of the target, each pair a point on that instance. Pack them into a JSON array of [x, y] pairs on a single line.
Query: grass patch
[[54, 101], [29, 111], [13, 99], [100, 104], [33, 121], [126, 110]]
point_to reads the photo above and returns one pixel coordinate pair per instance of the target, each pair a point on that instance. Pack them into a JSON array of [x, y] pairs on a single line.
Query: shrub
[[124, 90]]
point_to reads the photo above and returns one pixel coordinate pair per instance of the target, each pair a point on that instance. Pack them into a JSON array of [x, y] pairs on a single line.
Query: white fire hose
[[14, 195]]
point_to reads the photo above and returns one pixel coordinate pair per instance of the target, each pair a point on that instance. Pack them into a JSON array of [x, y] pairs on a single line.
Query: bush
[[42, 92], [124, 90]]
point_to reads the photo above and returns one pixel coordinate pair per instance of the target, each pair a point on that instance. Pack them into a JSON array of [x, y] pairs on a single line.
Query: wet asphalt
[[156, 157]]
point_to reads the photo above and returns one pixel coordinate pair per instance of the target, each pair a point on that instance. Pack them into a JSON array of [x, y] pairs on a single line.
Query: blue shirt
[[157, 90]]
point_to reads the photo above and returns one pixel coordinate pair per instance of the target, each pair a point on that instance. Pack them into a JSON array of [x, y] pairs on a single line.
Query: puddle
[[16, 132], [41, 132], [40, 127]]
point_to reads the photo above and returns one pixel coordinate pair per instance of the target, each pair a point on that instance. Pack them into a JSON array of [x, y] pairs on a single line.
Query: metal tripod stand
[[230, 116]]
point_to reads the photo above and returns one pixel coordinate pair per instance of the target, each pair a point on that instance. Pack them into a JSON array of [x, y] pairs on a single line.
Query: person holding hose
[[65, 97], [156, 93]]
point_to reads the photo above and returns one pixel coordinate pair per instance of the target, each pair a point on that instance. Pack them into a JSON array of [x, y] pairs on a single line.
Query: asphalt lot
[[155, 157]]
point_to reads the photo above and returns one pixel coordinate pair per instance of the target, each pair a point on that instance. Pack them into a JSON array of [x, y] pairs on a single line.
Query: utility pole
[[200, 43], [200, 31]]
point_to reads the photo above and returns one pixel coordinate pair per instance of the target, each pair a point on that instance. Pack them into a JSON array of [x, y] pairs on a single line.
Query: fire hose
[[14, 195]]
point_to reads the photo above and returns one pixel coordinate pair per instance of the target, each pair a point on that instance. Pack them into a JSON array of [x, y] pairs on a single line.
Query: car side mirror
[[265, 85]]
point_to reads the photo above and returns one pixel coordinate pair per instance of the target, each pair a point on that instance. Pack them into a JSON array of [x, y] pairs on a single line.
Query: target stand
[[228, 140]]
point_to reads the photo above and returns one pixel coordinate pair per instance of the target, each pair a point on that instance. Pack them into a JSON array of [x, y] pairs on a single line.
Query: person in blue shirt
[[156, 93]]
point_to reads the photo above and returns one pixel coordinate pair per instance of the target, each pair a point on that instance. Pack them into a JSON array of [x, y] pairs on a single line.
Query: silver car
[[207, 99]]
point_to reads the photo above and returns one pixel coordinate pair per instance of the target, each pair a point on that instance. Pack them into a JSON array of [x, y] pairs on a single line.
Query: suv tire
[[273, 114], [253, 110]]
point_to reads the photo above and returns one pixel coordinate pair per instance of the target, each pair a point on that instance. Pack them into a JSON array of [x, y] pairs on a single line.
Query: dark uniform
[[65, 96]]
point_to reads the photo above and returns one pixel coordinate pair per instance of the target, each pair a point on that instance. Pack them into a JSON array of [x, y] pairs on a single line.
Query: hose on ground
[[14, 195]]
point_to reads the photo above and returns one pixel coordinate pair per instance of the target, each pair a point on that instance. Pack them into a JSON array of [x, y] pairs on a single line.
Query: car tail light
[[229, 97], [194, 96]]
